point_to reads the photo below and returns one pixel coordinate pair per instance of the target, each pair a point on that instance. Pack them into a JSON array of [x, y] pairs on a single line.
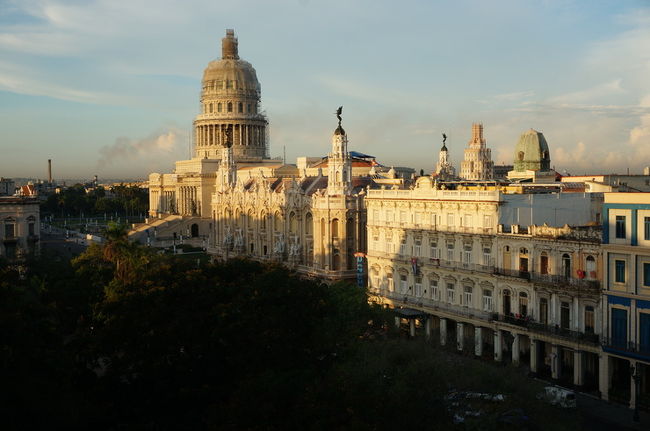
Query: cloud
[[158, 146]]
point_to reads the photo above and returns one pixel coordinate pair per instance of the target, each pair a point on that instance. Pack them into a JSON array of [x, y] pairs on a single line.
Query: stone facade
[[19, 226], [477, 164], [528, 295]]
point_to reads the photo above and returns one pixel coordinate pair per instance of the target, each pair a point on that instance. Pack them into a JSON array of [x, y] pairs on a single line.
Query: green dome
[[531, 152]]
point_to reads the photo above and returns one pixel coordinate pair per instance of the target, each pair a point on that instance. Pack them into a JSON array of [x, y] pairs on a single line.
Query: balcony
[[430, 304], [544, 328], [626, 348], [526, 275], [487, 269], [560, 280]]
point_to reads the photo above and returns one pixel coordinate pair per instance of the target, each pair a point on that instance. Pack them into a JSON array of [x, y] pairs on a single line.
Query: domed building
[[532, 160], [231, 199], [230, 98]]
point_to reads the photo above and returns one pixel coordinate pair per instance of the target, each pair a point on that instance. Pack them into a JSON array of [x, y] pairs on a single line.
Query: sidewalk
[[601, 415]]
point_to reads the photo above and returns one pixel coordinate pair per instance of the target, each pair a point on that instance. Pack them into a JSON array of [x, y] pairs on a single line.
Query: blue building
[[625, 366]]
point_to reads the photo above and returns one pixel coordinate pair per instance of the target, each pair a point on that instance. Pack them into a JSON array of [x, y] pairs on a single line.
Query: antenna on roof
[[284, 154]]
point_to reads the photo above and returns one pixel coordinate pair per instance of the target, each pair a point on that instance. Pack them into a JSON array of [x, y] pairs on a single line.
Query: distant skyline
[[111, 87]]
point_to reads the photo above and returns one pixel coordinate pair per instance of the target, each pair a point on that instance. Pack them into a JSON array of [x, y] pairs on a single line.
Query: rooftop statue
[[338, 114]]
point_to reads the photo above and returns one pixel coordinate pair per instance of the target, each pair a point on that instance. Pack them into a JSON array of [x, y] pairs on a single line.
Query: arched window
[[263, 220], [293, 223], [277, 222], [229, 106], [543, 263], [309, 224], [210, 108], [219, 107], [521, 156], [335, 228], [240, 108]]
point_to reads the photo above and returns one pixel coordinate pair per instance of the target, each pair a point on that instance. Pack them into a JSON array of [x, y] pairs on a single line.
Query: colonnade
[[242, 134], [188, 202], [540, 354]]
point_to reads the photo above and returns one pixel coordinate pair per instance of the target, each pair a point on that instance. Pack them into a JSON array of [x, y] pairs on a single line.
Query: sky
[[111, 87]]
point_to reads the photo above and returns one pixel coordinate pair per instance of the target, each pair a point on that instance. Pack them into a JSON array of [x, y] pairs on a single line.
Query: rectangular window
[[467, 256], [589, 319], [375, 216], [467, 296], [565, 315], [450, 219], [417, 249], [467, 220], [391, 283], [487, 257], [619, 274], [433, 220], [402, 248], [435, 293], [450, 293], [620, 227], [646, 228], [10, 230], [403, 284], [644, 332], [487, 221], [619, 327], [31, 229], [433, 250], [543, 310], [450, 252], [646, 274], [418, 286], [487, 300], [402, 216]]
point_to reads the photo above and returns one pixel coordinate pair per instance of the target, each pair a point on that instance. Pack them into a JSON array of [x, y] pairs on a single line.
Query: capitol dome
[[230, 115], [531, 152]]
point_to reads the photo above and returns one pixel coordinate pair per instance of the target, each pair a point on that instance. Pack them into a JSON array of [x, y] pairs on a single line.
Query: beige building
[[19, 226], [523, 294], [477, 164]]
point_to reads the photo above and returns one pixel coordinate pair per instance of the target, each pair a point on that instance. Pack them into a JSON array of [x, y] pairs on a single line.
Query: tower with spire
[[444, 170], [227, 174], [477, 163], [339, 165]]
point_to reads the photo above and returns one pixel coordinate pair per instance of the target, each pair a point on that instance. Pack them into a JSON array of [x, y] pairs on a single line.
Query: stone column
[[460, 336], [478, 341], [578, 368], [576, 315], [498, 348], [515, 349], [555, 362], [533, 356], [397, 322], [427, 327], [443, 331], [632, 383], [412, 327]]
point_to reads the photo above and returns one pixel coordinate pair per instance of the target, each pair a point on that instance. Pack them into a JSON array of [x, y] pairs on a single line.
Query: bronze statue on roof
[[338, 114]]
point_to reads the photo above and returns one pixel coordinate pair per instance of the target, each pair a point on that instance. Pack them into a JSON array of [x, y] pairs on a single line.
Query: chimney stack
[[49, 170]]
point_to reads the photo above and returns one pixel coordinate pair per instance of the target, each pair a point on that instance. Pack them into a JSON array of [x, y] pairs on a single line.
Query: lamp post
[[634, 372]]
